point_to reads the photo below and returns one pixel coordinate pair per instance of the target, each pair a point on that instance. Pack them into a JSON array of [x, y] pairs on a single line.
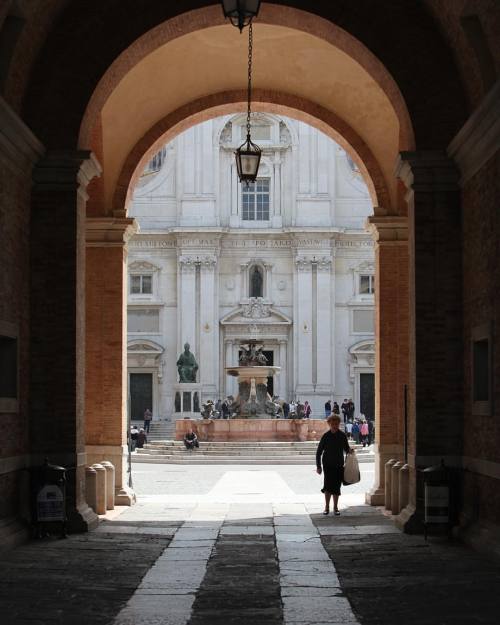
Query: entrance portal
[[367, 395], [141, 394]]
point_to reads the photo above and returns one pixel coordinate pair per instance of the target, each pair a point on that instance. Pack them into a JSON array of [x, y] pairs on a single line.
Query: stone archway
[[390, 229]]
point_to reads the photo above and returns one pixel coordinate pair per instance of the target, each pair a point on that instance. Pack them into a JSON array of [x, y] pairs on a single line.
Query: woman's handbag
[[351, 470]]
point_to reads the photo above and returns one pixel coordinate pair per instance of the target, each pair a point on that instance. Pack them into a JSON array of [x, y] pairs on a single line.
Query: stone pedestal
[[187, 400]]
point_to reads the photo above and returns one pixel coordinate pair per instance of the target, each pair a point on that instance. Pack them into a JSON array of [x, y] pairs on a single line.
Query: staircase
[[236, 452], [159, 430]]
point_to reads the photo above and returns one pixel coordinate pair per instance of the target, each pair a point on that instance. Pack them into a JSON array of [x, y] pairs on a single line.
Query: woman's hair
[[333, 417]]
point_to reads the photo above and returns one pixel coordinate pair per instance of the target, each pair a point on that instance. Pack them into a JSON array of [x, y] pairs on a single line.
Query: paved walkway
[[245, 546]]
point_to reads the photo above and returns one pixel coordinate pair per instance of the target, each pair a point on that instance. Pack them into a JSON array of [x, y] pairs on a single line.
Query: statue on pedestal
[[187, 365]]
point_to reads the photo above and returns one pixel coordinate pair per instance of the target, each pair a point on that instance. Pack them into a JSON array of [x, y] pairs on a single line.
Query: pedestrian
[[293, 409], [307, 410], [286, 409], [141, 438], [133, 437], [348, 429], [350, 409], [148, 415], [364, 431], [225, 409], [330, 461], [328, 408], [301, 412], [336, 409], [345, 409], [355, 432], [371, 431], [218, 409], [191, 440]]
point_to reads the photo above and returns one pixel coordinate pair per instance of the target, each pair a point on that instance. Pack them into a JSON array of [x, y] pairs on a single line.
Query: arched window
[[256, 282]]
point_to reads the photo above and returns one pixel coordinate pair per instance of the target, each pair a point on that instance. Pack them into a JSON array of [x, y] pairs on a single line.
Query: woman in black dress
[[330, 462]]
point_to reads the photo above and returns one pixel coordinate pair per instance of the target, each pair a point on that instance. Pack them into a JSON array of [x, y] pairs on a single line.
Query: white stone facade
[[290, 265]]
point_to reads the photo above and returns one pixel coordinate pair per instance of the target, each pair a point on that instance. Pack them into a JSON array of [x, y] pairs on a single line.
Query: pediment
[[142, 265], [141, 346], [256, 313], [363, 347]]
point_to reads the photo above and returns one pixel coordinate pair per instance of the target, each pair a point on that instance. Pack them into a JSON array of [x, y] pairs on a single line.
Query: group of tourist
[[361, 430], [294, 409], [347, 409], [138, 438]]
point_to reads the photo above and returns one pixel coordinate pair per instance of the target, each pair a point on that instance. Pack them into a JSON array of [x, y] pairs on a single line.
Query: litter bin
[[48, 488], [439, 497]]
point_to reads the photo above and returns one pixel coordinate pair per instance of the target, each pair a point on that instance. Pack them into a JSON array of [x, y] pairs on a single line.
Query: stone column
[[391, 339], [436, 341], [303, 327], [268, 294], [324, 319], [208, 360], [106, 419], [186, 307], [282, 378], [57, 313], [244, 292]]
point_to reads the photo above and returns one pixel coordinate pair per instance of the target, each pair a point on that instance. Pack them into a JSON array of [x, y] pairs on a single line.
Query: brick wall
[[481, 300]]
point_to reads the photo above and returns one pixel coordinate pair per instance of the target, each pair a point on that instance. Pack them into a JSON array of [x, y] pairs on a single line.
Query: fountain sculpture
[[253, 400]]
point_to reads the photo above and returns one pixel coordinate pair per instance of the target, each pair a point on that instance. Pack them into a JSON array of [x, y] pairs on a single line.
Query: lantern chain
[[250, 50]]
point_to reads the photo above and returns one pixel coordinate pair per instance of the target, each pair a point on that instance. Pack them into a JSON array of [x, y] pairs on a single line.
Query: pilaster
[[323, 326], [208, 363], [106, 419], [303, 328], [58, 294], [390, 234], [435, 315]]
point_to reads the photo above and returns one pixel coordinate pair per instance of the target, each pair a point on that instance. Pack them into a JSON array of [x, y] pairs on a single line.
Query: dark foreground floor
[[263, 564]]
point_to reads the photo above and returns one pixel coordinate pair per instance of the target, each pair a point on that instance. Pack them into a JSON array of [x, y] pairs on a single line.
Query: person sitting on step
[[191, 440]]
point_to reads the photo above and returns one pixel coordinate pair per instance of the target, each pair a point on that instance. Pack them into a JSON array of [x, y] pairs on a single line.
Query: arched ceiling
[[214, 59]]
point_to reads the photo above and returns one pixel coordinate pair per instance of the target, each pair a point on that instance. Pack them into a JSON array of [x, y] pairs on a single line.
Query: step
[[195, 458]]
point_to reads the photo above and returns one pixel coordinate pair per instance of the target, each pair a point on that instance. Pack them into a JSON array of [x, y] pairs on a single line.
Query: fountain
[[253, 401]]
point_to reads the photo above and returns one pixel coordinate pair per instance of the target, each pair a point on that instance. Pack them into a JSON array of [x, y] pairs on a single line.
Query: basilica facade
[[286, 261]]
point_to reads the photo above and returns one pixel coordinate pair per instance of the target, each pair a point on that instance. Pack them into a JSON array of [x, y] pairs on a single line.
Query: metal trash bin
[[438, 510], [48, 488]]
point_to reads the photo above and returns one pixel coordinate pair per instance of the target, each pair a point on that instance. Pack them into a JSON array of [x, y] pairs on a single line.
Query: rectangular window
[[480, 370], [255, 200], [363, 321], [8, 367], [366, 285], [141, 284], [143, 320], [481, 361]]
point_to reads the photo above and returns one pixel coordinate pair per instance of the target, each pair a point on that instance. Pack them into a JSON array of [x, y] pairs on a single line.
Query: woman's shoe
[[336, 513], [326, 512]]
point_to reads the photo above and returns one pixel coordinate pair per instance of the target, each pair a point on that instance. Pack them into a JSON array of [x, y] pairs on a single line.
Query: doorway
[[141, 394], [367, 395]]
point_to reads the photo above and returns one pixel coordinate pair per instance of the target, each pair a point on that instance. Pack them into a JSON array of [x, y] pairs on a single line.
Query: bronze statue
[[187, 365], [252, 356]]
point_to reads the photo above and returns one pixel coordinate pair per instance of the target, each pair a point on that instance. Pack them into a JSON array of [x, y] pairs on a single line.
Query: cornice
[[390, 228], [479, 138], [109, 231], [19, 148]]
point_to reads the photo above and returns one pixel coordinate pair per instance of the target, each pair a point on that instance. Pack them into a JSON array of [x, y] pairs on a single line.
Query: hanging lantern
[[248, 160], [240, 12]]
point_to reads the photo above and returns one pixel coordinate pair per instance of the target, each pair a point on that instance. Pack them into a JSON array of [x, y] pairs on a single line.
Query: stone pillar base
[[13, 532], [81, 519], [118, 456], [383, 453], [125, 496]]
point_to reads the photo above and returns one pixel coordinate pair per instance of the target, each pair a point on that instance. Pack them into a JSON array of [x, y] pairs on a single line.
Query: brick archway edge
[[271, 14], [230, 102]]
